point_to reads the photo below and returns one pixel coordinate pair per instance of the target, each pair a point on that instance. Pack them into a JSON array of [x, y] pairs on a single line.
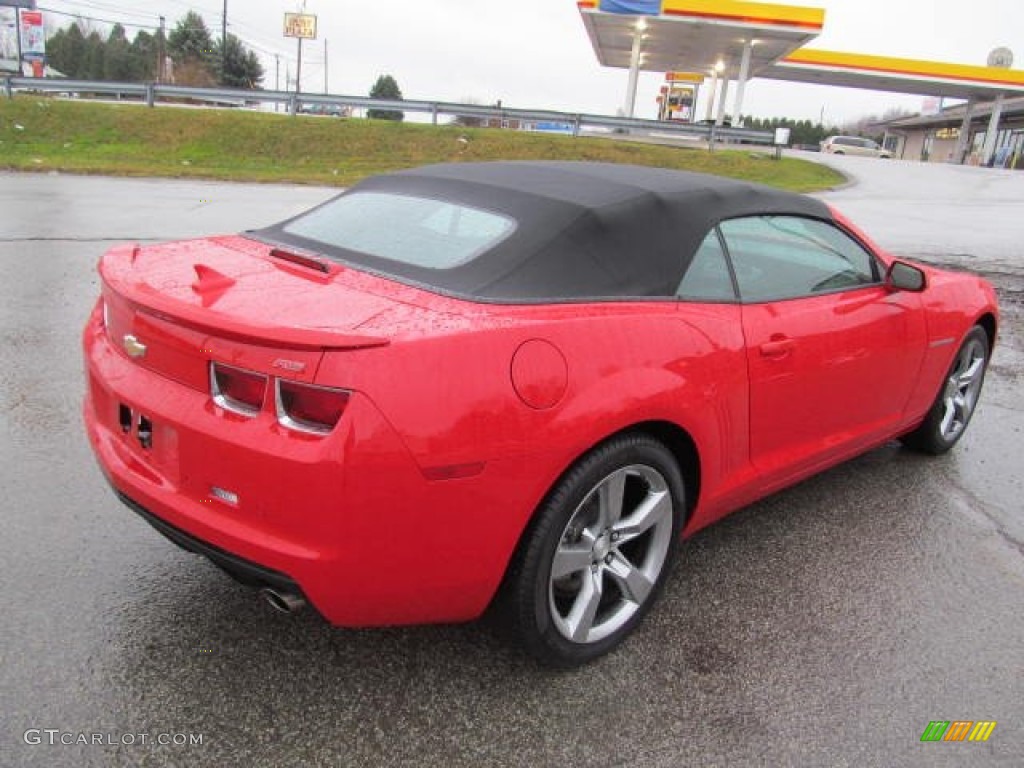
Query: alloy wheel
[[963, 386], [611, 554]]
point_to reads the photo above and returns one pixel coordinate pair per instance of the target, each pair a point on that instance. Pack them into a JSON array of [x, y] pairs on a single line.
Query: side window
[[707, 278], [783, 257]]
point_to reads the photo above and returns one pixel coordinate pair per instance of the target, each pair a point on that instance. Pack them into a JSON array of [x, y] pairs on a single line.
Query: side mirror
[[905, 277]]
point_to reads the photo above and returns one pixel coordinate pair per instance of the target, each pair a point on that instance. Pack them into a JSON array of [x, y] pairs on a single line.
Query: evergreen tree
[[191, 48], [801, 131], [93, 63], [57, 52], [118, 61], [197, 60], [144, 51], [65, 51], [240, 67], [386, 87]]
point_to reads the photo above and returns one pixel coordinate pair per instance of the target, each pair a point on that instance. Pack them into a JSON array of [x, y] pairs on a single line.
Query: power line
[[193, 7], [93, 5], [261, 49], [101, 21], [107, 8], [123, 23]]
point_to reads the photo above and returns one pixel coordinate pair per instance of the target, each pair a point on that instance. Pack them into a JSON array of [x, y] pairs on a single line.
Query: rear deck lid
[[178, 306], [233, 286]]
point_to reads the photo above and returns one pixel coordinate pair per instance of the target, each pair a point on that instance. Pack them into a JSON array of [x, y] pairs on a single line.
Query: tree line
[[809, 133], [800, 131], [82, 53]]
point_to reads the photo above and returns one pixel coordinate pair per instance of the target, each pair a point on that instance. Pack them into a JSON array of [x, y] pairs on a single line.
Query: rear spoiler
[[208, 320]]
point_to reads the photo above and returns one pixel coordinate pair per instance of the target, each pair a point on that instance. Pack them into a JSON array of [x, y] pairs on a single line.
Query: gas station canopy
[[885, 73], [697, 34], [739, 40], [716, 36]]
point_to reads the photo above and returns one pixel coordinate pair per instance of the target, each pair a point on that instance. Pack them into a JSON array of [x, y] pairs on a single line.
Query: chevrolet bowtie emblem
[[134, 347]]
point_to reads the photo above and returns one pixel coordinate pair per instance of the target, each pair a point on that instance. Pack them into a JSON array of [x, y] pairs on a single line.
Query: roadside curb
[[851, 180]]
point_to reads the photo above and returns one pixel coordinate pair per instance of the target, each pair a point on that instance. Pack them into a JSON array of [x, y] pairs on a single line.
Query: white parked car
[[853, 145]]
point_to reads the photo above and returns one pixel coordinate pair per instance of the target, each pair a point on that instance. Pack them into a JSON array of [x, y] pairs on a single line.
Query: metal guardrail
[[153, 93]]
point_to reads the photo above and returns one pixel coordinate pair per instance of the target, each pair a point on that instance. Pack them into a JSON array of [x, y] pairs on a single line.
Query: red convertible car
[[511, 384]]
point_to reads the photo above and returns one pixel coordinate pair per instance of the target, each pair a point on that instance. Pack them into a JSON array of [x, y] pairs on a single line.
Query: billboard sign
[[9, 53], [33, 36], [301, 25]]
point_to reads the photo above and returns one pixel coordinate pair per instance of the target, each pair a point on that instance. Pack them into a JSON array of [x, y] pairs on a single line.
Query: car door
[[870, 148], [832, 354]]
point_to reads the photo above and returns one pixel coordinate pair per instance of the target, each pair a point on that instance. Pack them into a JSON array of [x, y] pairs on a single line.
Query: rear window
[[423, 232]]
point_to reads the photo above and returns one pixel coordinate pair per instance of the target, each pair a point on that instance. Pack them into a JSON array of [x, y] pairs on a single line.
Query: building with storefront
[[934, 137]]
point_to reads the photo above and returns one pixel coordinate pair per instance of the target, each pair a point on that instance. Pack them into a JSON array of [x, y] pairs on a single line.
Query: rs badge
[[133, 346]]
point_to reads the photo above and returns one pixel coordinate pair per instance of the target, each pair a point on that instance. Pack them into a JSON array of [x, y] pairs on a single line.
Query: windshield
[[420, 231]]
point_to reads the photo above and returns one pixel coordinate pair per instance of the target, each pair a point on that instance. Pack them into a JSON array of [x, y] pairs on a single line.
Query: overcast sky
[[536, 53]]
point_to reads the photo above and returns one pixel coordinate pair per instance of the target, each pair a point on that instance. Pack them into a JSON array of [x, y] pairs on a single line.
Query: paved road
[[825, 626]]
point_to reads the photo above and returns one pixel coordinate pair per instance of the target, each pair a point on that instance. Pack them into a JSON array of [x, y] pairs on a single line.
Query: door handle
[[778, 347]]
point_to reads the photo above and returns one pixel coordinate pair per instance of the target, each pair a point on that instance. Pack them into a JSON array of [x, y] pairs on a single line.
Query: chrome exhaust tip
[[285, 602]]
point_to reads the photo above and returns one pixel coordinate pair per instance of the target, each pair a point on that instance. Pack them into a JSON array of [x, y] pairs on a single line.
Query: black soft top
[[585, 231]]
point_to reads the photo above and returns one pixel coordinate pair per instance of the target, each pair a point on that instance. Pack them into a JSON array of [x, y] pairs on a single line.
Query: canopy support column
[[711, 96], [741, 84], [960, 151], [634, 72], [993, 130], [720, 117]]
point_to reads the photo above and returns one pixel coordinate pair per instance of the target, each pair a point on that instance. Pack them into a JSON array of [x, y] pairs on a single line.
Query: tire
[[954, 405], [598, 552]]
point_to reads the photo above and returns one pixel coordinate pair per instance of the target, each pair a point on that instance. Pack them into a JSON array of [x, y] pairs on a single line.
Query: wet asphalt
[[824, 626]]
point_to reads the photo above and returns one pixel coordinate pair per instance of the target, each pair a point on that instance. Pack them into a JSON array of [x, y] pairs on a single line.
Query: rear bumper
[[349, 520], [242, 570]]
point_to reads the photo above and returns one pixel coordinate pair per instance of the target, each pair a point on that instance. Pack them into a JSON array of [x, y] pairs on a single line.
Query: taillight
[[236, 390], [308, 408], [300, 407]]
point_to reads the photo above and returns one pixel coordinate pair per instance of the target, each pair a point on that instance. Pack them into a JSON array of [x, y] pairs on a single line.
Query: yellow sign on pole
[[300, 25]]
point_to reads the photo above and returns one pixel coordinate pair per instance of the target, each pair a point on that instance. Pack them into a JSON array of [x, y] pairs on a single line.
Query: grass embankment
[[42, 134]]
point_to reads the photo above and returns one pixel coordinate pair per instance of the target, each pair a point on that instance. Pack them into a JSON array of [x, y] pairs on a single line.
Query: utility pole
[[277, 76], [160, 55], [223, 41], [326, 89], [298, 70]]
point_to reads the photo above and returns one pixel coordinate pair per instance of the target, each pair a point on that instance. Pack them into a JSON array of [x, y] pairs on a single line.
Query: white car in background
[[854, 145]]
